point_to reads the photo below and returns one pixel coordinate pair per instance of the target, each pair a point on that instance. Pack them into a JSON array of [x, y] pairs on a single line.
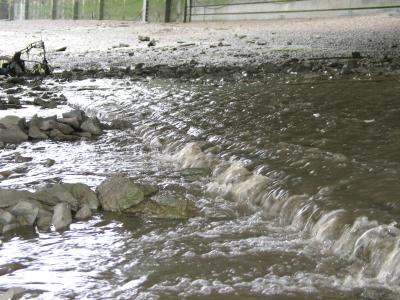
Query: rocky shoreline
[[56, 206]]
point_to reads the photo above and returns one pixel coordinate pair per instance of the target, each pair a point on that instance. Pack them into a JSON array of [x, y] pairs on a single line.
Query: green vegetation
[[123, 9]]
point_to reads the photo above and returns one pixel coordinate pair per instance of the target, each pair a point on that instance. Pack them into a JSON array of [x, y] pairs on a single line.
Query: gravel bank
[[105, 44]]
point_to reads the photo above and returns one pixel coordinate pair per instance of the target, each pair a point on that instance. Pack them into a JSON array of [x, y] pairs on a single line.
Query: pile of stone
[[72, 126], [57, 205]]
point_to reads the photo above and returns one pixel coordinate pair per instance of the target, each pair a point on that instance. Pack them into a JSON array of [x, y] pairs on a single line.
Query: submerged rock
[[92, 125], [62, 217], [165, 205]]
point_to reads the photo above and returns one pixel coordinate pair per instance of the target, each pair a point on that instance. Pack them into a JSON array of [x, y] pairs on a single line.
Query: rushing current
[[296, 180]]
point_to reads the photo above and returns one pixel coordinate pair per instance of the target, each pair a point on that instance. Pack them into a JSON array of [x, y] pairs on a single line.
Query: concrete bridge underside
[[214, 10]]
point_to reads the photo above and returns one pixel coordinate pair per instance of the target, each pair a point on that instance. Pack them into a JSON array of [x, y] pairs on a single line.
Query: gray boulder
[[83, 194], [12, 135], [35, 132], [9, 197], [54, 194], [64, 128], [73, 122], [44, 219], [92, 125], [25, 212], [76, 113], [83, 213], [6, 217], [119, 193], [62, 216], [57, 135], [13, 121]]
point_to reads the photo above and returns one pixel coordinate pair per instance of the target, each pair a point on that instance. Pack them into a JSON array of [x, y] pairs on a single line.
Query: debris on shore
[[21, 63]]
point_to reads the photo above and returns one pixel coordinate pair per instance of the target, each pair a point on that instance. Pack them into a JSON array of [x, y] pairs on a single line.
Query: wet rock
[[83, 213], [356, 55], [14, 102], [57, 135], [44, 104], [44, 220], [92, 125], [83, 194], [165, 205], [12, 135], [152, 43], [18, 158], [54, 194], [45, 123], [62, 217], [143, 38], [2, 145], [49, 162], [10, 197], [12, 293], [120, 124], [12, 122], [73, 122], [6, 217], [34, 131], [25, 212], [64, 128], [76, 113], [119, 193], [83, 134]]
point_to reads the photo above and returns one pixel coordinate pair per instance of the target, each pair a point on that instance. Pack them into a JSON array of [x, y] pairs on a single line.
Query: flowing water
[[296, 179]]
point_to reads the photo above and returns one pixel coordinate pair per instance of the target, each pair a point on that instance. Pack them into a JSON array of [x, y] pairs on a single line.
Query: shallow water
[[295, 178]]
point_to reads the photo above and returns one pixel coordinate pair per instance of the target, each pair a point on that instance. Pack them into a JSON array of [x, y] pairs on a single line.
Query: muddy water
[[296, 181]]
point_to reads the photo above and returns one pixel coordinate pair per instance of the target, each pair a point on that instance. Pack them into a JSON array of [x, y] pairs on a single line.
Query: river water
[[296, 180]]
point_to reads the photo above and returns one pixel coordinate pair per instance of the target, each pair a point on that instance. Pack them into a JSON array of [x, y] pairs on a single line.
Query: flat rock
[[10, 197], [165, 205], [118, 193], [44, 104], [62, 217], [73, 122], [64, 128], [54, 194]]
